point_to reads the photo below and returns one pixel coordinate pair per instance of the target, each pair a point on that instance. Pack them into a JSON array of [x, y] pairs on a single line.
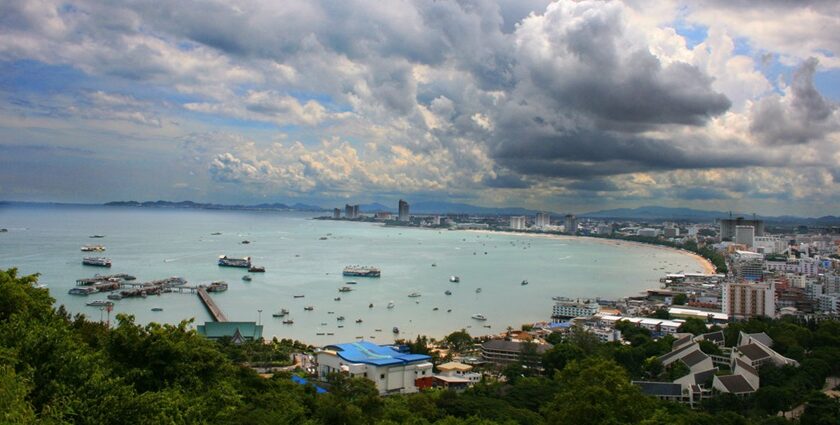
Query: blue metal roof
[[370, 353], [303, 381]]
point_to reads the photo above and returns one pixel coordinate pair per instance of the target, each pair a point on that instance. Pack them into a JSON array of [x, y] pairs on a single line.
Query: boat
[[245, 242], [288, 322], [309, 308], [297, 296], [157, 309], [396, 330], [477, 290], [454, 279], [256, 269], [216, 233], [97, 261], [340, 318], [350, 282], [83, 290], [340, 326], [244, 262], [100, 303], [370, 305], [487, 326], [377, 330], [337, 299], [391, 304], [435, 309], [115, 297], [323, 323], [478, 317], [449, 311], [93, 248], [322, 238], [217, 287], [362, 271], [358, 320], [246, 278], [96, 236], [319, 333], [282, 313], [434, 265], [345, 289], [524, 282], [413, 295], [448, 292]]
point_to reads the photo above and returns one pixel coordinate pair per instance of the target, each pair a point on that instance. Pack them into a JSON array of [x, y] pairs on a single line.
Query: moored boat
[[256, 269], [225, 261], [345, 289], [478, 317], [99, 303], [454, 279], [362, 271], [97, 261]]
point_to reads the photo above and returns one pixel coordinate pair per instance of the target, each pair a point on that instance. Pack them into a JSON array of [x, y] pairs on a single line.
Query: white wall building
[[542, 220], [517, 222], [745, 235], [743, 300], [392, 372]]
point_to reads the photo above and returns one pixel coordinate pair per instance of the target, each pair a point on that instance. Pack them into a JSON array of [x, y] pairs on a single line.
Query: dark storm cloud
[[506, 181], [801, 117], [593, 185]]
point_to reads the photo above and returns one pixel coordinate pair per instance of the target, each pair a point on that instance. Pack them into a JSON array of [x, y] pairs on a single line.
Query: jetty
[[211, 306]]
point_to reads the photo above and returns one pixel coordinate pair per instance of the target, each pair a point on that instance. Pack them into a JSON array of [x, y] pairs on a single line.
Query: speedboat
[[337, 299], [455, 279], [345, 289], [391, 304], [246, 278], [309, 308], [358, 320], [396, 330], [413, 295], [478, 317], [370, 305], [435, 309]]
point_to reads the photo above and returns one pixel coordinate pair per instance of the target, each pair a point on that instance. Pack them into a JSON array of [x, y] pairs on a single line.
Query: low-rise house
[[392, 371], [504, 351], [458, 370]]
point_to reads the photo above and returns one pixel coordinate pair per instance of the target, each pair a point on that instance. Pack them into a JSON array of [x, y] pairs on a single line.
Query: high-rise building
[[543, 219], [403, 209], [727, 227], [351, 211], [336, 213], [571, 224], [742, 300], [747, 265], [356, 211], [745, 235], [671, 232], [517, 222]]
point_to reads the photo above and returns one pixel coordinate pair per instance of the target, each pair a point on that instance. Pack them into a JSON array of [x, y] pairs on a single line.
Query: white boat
[[454, 279], [99, 303], [478, 317], [391, 304], [413, 295]]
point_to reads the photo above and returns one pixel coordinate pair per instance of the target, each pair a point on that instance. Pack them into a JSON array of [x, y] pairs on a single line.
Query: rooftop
[[455, 366], [377, 355], [659, 388], [753, 352], [512, 346], [694, 358], [735, 384], [214, 330]]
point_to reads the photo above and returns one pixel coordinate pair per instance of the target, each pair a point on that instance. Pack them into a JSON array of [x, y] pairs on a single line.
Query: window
[[381, 376]]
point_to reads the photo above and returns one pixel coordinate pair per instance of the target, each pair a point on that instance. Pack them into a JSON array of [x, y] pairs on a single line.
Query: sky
[[568, 106]]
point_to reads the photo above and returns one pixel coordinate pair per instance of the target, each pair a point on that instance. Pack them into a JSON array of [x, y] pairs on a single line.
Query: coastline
[[704, 263]]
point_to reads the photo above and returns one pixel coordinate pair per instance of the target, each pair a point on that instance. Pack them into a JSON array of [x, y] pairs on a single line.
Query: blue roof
[[370, 353], [562, 325], [303, 381]]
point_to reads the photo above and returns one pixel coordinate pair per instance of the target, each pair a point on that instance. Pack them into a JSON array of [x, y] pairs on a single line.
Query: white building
[[459, 370], [829, 304], [517, 222], [567, 308], [742, 300], [392, 372], [769, 244], [542, 220], [745, 235], [648, 232]]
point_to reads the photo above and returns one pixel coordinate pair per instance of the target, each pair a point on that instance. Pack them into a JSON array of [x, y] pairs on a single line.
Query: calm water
[[153, 244]]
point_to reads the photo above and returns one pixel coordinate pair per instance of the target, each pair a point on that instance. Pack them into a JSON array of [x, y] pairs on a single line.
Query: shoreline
[[704, 263]]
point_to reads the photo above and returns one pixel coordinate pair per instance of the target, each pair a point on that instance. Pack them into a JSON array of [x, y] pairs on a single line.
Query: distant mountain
[[375, 207], [667, 213], [197, 205], [456, 208]]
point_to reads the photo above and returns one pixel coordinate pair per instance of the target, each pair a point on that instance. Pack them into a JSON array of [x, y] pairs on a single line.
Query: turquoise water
[[153, 244]]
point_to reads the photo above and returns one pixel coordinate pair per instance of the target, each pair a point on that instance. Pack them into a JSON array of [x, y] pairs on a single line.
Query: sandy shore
[[705, 264]]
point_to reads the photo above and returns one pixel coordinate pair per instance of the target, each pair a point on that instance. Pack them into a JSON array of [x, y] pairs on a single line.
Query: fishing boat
[[282, 313], [413, 295], [345, 289], [340, 318], [391, 304], [246, 278], [454, 279], [298, 296], [217, 287], [97, 236], [246, 242], [288, 322], [478, 317], [216, 233]]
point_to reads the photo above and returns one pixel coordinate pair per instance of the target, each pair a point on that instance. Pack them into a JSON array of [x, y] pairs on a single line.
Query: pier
[[214, 310]]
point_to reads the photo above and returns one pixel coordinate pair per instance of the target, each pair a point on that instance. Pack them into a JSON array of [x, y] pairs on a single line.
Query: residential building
[[504, 351], [351, 211], [571, 224], [745, 235], [517, 222], [769, 244], [403, 211], [671, 232], [829, 304], [392, 371], [542, 220], [459, 370], [727, 227], [742, 300], [648, 233], [336, 213], [565, 308], [747, 265]]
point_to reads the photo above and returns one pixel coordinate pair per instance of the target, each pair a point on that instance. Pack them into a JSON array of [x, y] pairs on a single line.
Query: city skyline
[[560, 106]]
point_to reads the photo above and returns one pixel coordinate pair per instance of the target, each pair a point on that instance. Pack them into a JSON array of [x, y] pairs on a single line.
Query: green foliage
[[693, 326], [458, 341], [680, 299]]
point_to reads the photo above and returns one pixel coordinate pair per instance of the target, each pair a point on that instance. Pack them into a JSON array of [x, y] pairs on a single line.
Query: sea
[[304, 256]]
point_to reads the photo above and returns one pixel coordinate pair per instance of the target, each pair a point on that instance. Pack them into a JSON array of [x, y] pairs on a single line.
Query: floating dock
[[214, 310]]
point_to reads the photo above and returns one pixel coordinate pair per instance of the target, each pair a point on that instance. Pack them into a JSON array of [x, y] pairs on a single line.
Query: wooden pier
[[214, 310]]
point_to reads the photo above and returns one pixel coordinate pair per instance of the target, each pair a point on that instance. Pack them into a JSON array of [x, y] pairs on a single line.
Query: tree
[[458, 341], [694, 326], [560, 355], [662, 314], [680, 299]]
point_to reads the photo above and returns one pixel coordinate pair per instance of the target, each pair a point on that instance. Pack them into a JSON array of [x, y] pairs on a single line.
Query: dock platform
[[214, 310]]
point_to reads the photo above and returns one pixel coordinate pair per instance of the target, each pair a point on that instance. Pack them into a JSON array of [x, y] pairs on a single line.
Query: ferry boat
[[362, 271], [256, 269], [413, 295], [97, 261], [226, 261], [345, 289], [454, 279], [93, 248], [99, 303], [478, 317]]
